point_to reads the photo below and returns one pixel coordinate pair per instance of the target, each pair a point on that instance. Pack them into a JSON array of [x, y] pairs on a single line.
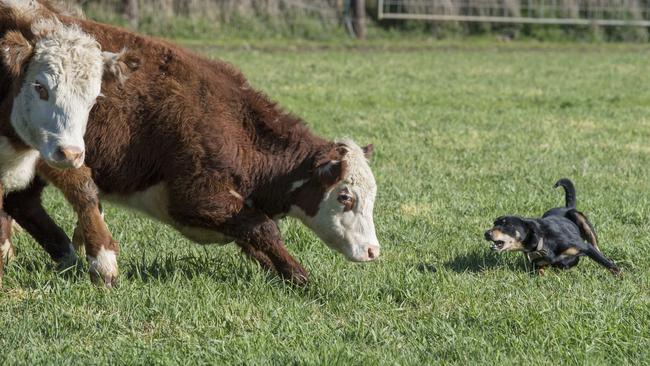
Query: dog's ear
[[533, 232]]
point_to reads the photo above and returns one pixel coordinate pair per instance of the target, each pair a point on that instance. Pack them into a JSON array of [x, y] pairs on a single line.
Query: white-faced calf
[[50, 76]]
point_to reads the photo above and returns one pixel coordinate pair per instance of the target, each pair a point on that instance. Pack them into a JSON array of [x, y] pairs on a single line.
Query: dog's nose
[[488, 235]]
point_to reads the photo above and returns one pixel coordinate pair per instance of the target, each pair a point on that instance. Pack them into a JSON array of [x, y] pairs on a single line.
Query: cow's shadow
[[169, 268], [481, 260]]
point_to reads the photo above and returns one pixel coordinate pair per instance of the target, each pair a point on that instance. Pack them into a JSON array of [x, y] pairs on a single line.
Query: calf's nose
[[373, 252], [70, 154]]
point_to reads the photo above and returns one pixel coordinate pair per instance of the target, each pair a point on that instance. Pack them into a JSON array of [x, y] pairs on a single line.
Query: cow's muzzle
[[67, 157]]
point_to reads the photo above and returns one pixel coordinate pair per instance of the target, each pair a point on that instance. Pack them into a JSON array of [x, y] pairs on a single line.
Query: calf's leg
[[260, 238], [5, 240], [26, 208], [80, 190], [253, 231], [5, 234]]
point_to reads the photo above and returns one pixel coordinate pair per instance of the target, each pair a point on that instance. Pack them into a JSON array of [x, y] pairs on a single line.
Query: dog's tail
[[569, 191]]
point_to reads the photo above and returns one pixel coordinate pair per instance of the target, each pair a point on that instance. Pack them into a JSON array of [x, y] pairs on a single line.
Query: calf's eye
[[347, 200], [42, 91]]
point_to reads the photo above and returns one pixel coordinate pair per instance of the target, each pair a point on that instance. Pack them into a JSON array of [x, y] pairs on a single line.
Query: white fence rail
[[577, 12]]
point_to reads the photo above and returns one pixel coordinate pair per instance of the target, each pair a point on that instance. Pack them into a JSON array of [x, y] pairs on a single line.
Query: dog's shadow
[[479, 260]]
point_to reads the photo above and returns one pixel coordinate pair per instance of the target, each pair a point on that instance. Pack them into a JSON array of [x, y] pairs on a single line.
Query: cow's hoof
[[103, 268], [615, 271], [296, 275], [101, 281]]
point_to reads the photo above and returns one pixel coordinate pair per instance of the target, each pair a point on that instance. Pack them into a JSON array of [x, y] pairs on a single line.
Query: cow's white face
[[343, 218], [60, 80]]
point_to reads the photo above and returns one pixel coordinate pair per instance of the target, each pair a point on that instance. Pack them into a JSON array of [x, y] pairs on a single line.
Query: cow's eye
[[42, 91], [346, 199]]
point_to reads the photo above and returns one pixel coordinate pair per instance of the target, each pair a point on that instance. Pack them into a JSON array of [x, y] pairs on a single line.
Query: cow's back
[[175, 112]]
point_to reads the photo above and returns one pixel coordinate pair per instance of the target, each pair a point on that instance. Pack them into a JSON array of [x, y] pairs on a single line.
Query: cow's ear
[[16, 51], [119, 66], [330, 172], [367, 151]]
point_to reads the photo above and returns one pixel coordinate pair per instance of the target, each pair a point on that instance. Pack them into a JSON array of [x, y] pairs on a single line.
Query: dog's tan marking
[[509, 243], [571, 251]]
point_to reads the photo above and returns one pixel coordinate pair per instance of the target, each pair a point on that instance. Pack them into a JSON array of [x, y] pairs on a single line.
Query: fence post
[[359, 22], [131, 12]]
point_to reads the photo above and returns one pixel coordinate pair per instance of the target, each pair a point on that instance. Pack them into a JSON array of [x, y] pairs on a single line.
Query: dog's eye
[[42, 91]]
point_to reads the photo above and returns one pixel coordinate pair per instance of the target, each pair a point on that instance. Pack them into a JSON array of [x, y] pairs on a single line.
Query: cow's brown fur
[[226, 153]]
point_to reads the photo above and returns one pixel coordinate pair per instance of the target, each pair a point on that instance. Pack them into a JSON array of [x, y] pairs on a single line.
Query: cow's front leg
[[78, 239], [253, 231], [5, 241], [80, 190], [260, 238], [26, 208]]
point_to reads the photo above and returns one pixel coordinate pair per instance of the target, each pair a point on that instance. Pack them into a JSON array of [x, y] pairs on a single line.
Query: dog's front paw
[[615, 271]]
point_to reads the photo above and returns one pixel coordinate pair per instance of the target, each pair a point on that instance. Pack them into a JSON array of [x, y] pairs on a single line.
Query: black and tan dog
[[557, 239]]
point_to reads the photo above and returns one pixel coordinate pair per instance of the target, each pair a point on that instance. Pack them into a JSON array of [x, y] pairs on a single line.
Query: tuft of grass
[[462, 134]]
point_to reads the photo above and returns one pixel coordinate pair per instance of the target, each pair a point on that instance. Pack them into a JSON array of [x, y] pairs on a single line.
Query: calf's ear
[[119, 66], [367, 151], [16, 51]]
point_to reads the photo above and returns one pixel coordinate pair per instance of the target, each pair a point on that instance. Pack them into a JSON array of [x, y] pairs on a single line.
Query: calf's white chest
[[17, 168]]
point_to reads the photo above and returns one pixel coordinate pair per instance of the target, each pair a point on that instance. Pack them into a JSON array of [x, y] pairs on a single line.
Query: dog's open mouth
[[498, 244]]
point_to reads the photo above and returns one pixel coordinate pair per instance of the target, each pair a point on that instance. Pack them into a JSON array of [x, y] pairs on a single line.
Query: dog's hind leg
[[587, 231], [598, 257]]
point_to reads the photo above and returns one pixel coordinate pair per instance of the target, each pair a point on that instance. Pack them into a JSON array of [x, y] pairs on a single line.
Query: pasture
[[463, 133]]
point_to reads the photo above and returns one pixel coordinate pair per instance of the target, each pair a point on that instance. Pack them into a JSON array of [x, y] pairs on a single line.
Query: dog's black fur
[[557, 239]]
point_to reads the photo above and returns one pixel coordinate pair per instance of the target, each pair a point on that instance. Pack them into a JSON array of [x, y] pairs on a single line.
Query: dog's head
[[511, 233]]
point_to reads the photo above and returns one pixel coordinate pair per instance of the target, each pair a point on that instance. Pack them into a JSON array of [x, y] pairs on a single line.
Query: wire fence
[[576, 12]]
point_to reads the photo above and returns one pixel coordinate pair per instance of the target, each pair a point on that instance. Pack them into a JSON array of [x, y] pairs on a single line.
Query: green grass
[[462, 134]]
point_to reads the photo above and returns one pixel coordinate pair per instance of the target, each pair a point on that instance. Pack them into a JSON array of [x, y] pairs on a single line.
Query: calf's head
[[57, 75], [337, 202]]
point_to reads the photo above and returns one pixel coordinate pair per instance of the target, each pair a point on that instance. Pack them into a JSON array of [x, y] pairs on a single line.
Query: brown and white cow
[[50, 75], [189, 142]]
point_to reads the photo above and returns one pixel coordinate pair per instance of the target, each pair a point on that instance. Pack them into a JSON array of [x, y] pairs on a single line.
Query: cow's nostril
[[373, 252]]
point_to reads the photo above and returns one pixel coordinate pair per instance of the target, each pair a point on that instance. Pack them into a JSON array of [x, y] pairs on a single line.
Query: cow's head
[[337, 201], [57, 74]]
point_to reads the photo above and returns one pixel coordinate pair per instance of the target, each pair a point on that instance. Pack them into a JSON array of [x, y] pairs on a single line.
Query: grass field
[[462, 133]]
